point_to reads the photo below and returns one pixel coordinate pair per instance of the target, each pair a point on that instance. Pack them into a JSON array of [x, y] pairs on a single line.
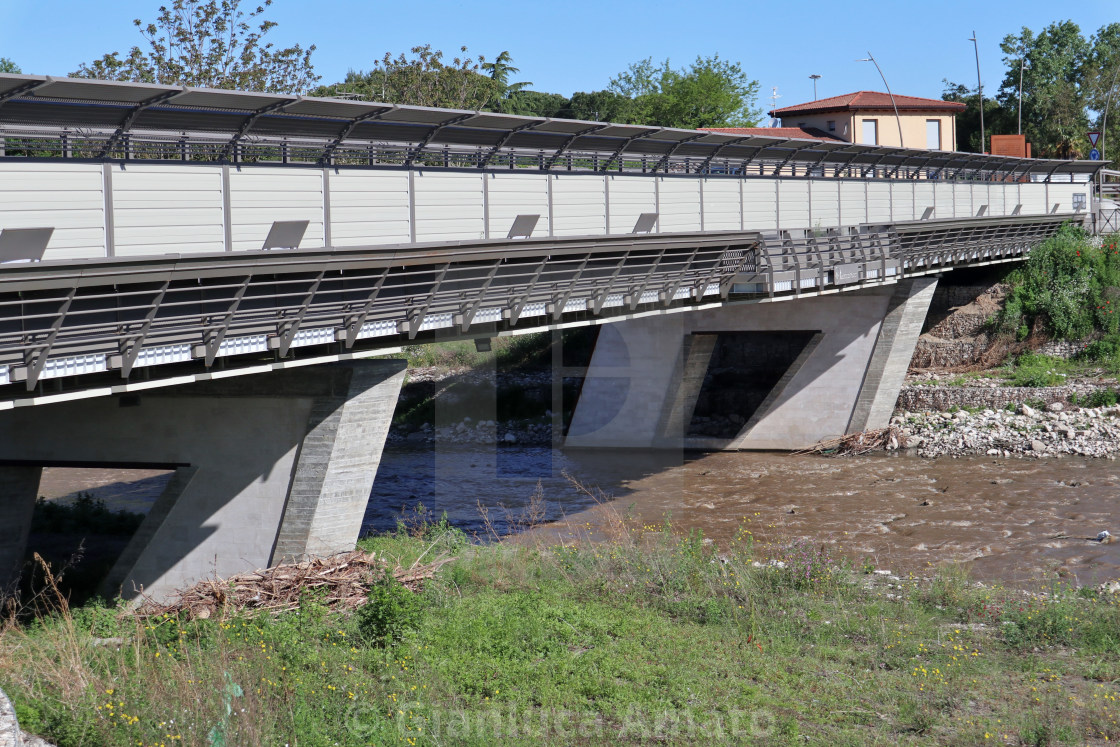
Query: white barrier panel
[[368, 207], [514, 194], [680, 204], [879, 202], [578, 204], [793, 195], [629, 198], [825, 205], [721, 205], [760, 203], [178, 209], [449, 206], [262, 195], [67, 196], [166, 208]]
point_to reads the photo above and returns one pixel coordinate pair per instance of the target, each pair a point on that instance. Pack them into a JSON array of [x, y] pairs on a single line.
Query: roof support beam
[[431, 136], [663, 162], [568, 143], [716, 151], [130, 119], [21, 90], [502, 142], [344, 133], [626, 144], [248, 124]]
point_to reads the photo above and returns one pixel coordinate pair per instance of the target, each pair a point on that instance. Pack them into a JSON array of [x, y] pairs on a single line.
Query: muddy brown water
[[1011, 520]]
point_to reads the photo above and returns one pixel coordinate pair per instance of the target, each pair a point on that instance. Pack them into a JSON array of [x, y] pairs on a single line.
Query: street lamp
[[898, 120], [980, 90], [814, 77]]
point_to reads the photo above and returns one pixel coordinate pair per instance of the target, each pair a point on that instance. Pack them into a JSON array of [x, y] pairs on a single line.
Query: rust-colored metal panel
[[1010, 145]]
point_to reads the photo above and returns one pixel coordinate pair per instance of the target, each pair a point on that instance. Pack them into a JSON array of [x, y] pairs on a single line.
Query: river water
[[1012, 520]]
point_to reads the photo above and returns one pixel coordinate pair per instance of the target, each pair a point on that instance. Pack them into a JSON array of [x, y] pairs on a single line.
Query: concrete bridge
[[191, 279]]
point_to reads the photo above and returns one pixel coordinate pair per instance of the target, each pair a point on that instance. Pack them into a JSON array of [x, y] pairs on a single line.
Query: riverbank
[[647, 637]]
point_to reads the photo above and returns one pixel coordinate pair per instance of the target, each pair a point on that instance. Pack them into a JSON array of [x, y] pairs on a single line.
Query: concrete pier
[[646, 373], [267, 468]]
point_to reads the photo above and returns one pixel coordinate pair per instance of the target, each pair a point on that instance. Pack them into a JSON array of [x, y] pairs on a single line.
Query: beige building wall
[[849, 126]]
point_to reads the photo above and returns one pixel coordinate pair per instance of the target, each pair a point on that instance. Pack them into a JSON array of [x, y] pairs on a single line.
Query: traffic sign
[[1094, 155], [1093, 138]]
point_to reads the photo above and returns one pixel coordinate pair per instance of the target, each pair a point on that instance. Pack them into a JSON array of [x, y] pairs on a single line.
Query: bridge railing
[[191, 313]]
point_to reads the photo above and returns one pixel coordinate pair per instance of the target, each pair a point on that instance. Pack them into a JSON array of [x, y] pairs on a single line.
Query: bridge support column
[[267, 468], [647, 373], [19, 487]]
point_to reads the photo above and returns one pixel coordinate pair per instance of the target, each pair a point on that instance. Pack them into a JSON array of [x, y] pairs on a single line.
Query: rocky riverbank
[[1026, 431]]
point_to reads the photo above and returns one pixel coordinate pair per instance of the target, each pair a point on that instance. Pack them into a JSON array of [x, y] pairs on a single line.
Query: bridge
[[195, 279]]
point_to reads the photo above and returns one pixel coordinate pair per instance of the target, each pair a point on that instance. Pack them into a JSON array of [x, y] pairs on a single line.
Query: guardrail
[[190, 314]]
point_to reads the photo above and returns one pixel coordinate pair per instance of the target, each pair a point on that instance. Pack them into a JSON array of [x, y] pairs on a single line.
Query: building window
[[870, 132], [831, 126], [933, 134]]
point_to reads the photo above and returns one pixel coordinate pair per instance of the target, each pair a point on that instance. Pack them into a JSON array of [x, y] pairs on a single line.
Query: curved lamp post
[[980, 89], [1107, 105], [898, 120]]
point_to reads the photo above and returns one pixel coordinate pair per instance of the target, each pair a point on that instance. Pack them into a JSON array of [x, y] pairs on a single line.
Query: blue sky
[[569, 45]]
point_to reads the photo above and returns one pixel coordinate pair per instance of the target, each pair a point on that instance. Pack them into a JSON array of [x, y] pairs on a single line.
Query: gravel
[[1092, 432]]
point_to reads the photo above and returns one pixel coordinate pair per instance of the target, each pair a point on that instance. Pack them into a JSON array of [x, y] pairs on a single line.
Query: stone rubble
[[1057, 430]]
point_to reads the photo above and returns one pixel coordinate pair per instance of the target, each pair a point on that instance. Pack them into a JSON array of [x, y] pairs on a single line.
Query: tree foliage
[[423, 79], [711, 92], [7, 66], [1066, 79], [212, 44]]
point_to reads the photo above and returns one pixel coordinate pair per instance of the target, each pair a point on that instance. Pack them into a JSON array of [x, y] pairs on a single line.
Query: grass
[[649, 636]]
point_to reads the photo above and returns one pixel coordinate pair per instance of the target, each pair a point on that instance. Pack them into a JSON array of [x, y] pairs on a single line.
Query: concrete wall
[[643, 371], [267, 467]]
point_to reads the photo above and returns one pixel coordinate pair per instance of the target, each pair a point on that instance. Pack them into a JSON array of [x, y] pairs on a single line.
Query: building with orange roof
[[868, 117]]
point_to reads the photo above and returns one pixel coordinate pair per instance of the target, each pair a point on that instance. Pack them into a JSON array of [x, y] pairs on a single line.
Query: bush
[[1035, 370], [1070, 283], [390, 612]]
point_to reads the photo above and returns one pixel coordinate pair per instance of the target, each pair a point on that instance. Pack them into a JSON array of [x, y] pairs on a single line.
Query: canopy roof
[[29, 101]]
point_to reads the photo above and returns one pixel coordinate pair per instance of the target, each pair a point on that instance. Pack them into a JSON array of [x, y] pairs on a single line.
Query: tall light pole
[[898, 120], [815, 78], [980, 89], [1022, 64]]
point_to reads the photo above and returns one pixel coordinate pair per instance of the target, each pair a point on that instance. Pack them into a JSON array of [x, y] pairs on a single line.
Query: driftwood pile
[[855, 444], [343, 580]]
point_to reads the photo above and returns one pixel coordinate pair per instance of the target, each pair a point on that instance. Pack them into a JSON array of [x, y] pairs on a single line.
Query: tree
[[535, 104], [996, 121], [600, 106], [500, 70], [1054, 97], [1102, 83], [421, 80], [710, 93], [7, 66], [212, 44]]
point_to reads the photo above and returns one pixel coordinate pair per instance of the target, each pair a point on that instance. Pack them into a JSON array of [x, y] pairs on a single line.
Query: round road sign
[[1094, 155]]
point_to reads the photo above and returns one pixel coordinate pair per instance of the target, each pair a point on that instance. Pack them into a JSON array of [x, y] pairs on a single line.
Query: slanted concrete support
[[267, 468], [646, 373], [19, 487]]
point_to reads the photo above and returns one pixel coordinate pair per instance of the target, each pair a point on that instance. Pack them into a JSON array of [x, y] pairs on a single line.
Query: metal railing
[[62, 319]]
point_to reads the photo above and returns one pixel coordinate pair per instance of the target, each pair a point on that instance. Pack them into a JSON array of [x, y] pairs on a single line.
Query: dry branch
[[854, 444], [346, 579]]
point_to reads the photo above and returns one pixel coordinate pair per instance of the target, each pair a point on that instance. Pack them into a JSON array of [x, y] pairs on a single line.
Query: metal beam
[[130, 119], [567, 143], [663, 162], [502, 141], [344, 133], [626, 144], [431, 135], [246, 125]]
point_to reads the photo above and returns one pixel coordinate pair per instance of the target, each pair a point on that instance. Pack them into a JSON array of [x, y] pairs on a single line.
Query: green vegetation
[[1070, 285], [1066, 82], [649, 636]]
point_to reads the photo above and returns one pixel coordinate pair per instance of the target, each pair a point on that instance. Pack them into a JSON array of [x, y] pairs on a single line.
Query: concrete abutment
[[646, 373], [266, 468]]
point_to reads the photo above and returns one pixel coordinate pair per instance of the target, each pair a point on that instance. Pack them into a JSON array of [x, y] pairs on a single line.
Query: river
[[1011, 520]]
